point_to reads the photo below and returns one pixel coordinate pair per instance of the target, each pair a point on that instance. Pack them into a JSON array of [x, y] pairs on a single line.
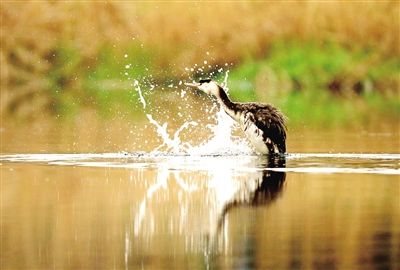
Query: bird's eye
[[205, 81]]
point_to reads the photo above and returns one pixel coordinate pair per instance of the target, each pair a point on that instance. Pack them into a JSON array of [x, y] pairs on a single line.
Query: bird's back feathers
[[268, 119]]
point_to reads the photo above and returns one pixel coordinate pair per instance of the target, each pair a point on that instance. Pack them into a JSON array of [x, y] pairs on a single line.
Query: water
[[138, 210], [193, 195]]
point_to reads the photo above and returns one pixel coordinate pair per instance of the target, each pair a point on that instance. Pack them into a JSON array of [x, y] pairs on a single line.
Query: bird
[[263, 124]]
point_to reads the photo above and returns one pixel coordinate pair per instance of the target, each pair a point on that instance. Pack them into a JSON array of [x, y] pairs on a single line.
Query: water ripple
[[295, 162]]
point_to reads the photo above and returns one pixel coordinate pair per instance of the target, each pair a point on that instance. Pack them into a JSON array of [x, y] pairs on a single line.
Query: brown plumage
[[268, 119], [263, 124]]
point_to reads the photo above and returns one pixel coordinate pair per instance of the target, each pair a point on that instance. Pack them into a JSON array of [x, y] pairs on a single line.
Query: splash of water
[[139, 90], [174, 144], [221, 141], [225, 82]]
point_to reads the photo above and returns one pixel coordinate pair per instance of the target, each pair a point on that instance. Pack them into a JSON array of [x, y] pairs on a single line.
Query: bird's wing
[[271, 121]]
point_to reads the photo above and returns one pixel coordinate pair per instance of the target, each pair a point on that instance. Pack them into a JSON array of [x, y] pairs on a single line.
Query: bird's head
[[208, 86]]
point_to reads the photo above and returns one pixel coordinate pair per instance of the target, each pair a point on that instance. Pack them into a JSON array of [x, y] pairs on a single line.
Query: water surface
[[159, 211], [152, 193]]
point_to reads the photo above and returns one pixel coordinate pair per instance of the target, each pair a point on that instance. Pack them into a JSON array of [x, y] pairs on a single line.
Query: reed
[[176, 35]]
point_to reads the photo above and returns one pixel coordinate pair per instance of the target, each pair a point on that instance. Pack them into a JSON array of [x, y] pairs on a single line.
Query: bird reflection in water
[[189, 200], [261, 189], [272, 182]]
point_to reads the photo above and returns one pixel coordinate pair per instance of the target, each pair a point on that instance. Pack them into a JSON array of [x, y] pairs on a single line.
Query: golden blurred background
[[58, 57]]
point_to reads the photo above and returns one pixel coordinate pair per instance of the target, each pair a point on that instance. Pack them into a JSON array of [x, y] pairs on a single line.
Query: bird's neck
[[227, 104]]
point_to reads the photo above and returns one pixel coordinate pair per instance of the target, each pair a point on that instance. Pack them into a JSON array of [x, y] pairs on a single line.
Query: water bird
[[263, 124]]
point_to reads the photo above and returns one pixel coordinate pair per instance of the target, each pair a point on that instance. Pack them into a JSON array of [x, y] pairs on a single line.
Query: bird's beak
[[196, 85]]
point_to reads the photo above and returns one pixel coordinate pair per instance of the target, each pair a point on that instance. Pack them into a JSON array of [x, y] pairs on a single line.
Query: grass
[[105, 83], [295, 54], [310, 82], [320, 84]]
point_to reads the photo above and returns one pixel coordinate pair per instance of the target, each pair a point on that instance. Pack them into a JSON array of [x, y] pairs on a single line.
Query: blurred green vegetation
[[314, 83], [327, 63], [320, 83]]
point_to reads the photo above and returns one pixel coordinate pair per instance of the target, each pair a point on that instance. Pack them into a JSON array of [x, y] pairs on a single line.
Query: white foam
[[221, 141]]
